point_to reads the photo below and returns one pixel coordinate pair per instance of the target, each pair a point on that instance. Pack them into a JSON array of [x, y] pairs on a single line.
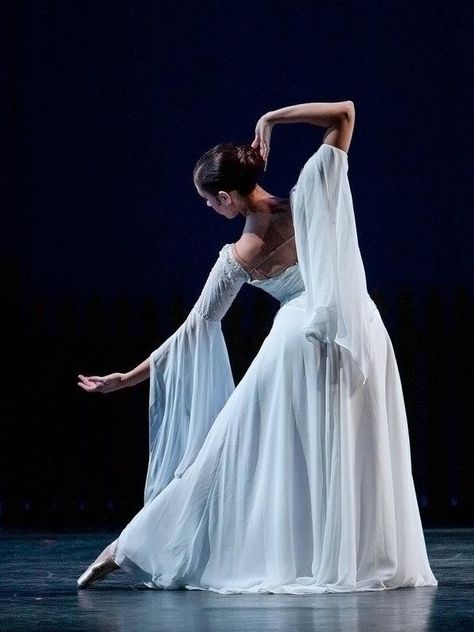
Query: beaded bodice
[[284, 286]]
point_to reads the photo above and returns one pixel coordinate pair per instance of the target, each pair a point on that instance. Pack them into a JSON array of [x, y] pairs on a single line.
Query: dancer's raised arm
[[338, 118]]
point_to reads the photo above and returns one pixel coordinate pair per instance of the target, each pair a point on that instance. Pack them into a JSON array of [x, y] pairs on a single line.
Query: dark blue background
[[114, 102], [105, 244]]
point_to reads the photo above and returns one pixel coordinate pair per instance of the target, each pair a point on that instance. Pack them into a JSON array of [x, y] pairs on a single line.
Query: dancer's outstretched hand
[[98, 384], [263, 133]]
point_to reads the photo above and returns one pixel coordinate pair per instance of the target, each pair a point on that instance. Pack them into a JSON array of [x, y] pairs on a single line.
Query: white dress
[[297, 480]]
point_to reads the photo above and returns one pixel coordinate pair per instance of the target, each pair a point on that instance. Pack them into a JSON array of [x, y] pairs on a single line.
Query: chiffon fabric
[[297, 480]]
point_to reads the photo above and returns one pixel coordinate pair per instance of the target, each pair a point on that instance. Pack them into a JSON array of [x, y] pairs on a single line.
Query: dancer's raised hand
[[263, 133], [101, 384]]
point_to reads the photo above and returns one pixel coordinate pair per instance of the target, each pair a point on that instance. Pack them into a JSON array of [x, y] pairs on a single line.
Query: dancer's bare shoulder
[[248, 249], [264, 234]]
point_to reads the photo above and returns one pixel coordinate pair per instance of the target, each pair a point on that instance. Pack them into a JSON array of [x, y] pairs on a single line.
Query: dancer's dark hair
[[229, 167]]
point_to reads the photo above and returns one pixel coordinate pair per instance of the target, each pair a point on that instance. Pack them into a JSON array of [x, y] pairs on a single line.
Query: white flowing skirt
[[298, 487]]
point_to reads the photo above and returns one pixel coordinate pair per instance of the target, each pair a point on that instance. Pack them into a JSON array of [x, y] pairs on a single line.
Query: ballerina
[[297, 480]]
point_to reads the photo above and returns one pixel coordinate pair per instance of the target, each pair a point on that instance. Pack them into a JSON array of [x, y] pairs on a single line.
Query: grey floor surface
[[38, 592]]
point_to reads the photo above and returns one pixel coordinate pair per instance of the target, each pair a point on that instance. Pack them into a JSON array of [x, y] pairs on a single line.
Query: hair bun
[[250, 159], [229, 167]]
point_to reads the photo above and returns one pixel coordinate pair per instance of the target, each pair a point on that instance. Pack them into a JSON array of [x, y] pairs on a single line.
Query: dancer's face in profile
[[223, 203]]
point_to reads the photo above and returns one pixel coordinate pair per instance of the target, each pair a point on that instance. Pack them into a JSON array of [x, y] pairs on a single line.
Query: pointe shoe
[[97, 571]]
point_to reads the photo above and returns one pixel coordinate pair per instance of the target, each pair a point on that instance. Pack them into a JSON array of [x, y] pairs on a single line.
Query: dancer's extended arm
[[223, 283], [115, 381], [138, 374], [338, 118]]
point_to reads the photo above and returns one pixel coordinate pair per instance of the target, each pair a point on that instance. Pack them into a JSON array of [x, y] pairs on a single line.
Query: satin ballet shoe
[[97, 571]]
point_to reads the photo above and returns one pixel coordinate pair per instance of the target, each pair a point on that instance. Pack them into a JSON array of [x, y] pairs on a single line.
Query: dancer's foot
[[100, 568]]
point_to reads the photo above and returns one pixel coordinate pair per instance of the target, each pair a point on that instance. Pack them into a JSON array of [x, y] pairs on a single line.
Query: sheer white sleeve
[[191, 378], [338, 306]]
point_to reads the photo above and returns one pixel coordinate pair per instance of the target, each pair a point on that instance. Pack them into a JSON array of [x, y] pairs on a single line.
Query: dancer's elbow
[[349, 110]]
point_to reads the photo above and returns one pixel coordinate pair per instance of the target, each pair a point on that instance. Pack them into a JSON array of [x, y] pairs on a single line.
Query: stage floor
[[38, 592]]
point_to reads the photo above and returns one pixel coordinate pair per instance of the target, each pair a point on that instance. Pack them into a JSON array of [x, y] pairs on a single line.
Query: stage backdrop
[[105, 243]]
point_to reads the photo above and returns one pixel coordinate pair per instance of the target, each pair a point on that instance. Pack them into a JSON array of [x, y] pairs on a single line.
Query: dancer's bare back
[[267, 245]]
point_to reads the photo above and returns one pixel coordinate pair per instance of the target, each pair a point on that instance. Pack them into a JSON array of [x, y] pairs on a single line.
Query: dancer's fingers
[[91, 383], [91, 388], [86, 380], [85, 387], [94, 380]]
